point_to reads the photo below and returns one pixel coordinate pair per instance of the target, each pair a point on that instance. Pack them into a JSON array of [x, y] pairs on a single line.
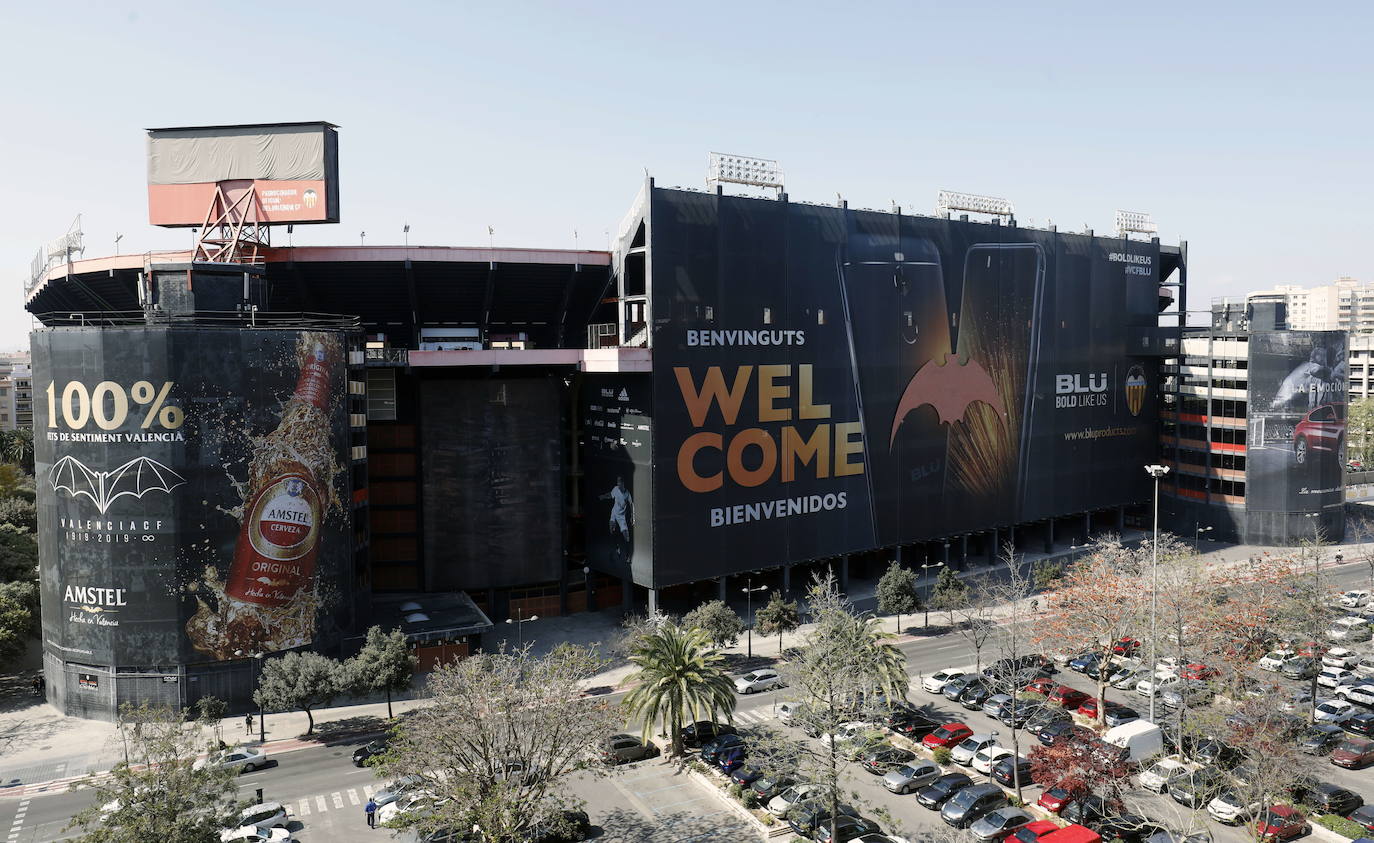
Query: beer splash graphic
[[270, 598]]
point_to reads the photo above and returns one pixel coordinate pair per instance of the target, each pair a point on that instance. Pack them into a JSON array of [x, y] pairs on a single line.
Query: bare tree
[[977, 617], [1010, 640]]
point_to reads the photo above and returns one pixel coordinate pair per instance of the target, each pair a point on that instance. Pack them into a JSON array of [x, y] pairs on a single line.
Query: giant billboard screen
[[192, 497], [829, 380], [1295, 449]]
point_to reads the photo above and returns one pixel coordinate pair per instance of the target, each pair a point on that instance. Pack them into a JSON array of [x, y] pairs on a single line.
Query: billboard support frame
[[233, 232]]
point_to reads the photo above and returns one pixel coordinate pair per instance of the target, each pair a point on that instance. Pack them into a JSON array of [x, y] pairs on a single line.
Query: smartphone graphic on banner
[[893, 295], [993, 453]]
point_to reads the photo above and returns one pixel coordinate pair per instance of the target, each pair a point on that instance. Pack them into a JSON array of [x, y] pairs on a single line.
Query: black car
[[563, 827], [847, 828], [1361, 724], [913, 725], [371, 750], [1198, 788], [971, 804], [1002, 771], [767, 787], [958, 685], [712, 751], [1061, 728], [938, 792], [1320, 738], [974, 695], [703, 732], [1217, 753], [1046, 715], [1086, 810], [1130, 828], [806, 816], [1021, 714], [1328, 798], [881, 759], [746, 776]]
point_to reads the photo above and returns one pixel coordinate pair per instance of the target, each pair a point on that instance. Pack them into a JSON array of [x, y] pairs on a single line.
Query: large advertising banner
[[617, 487], [1295, 448], [192, 497], [829, 380]]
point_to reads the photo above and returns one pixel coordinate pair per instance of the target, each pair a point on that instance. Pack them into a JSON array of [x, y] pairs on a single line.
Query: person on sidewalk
[[248, 723], [371, 809]]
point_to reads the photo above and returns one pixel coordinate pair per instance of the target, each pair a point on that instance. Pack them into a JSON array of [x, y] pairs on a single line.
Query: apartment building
[[1343, 305]]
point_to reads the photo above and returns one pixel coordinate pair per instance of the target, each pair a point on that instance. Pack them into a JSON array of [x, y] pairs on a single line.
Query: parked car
[[1361, 724], [712, 750], [1273, 660], [912, 776], [975, 694], [1217, 753], [1032, 832], [391, 791], [1065, 730], [972, 803], [1127, 678], [1198, 787], [1045, 716], [1043, 686], [1126, 647], [1069, 698], [254, 834], [1334, 711], [745, 776], [1281, 822], [622, 749], [1349, 630], [880, 760], [936, 682], [807, 816], [1198, 671], [1160, 773], [1300, 667], [914, 726], [1129, 828], [1299, 698], [998, 824], [1156, 683], [1189, 692], [989, 755], [1087, 810], [948, 736], [1233, 806], [239, 759], [956, 686], [705, 731], [1019, 712], [1353, 753], [264, 815], [732, 760], [369, 750], [1330, 677], [1360, 691], [1355, 598], [1341, 657], [790, 796], [1364, 815], [847, 828], [1365, 666], [767, 787], [1331, 798], [567, 826], [965, 750], [1119, 714], [994, 705], [1320, 738], [935, 794], [1054, 799], [1007, 770], [1086, 662], [765, 679]]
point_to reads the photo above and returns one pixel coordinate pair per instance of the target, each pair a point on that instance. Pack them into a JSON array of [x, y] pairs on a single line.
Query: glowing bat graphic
[[950, 388], [137, 477]]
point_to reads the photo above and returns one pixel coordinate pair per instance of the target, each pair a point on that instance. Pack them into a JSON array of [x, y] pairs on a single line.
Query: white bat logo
[[136, 477]]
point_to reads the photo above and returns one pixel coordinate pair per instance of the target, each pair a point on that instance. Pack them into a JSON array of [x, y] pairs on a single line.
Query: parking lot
[[654, 800]]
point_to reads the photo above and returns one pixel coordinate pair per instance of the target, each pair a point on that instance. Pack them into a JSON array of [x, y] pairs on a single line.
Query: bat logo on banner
[[948, 387], [137, 477]]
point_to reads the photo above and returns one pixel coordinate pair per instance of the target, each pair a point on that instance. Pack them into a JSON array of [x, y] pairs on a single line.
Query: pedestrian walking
[[37, 685], [371, 809], [248, 723]]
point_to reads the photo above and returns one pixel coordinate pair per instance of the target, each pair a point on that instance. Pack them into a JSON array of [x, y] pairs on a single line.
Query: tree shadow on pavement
[[625, 826], [349, 730]]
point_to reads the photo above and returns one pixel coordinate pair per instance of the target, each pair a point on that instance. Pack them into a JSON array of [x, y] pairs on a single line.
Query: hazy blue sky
[[1244, 128]]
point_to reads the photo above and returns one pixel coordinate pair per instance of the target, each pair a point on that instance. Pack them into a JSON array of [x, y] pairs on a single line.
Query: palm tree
[[17, 447], [678, 674]]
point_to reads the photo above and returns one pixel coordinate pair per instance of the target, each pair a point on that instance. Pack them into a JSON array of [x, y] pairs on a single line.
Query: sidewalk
[[38, 745]]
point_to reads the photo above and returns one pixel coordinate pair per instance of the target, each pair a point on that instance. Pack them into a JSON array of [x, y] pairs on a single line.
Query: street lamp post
[[926, 577], [520, 622], [262, 715], [1155, 471], [749, 602], [587, 588], [1198, 530]]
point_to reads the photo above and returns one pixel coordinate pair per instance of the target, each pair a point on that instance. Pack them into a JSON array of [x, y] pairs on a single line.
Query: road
[[645, 801]]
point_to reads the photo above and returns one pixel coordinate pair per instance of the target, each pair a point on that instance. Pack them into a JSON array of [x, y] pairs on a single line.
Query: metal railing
[[200, 318], [387, 356]]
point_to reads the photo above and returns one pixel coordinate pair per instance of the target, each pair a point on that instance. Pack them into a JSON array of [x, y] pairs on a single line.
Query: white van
[[1141, 739]]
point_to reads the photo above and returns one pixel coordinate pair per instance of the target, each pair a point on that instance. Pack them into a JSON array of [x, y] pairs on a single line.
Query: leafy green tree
[[17, 447], [11, 476], [385, 663], [779, 616], [1046, 572], [950, 593], [19, 512], [18, 619], [1359, 431], [210, 713], [635, 629], [164, 795], [302, 681], [679, 674], [897, 594], [18, 554], [721, 624]]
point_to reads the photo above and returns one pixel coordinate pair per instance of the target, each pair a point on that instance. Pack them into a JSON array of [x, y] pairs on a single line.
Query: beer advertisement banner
[[191, 492], [1295, 449], [829, 380]]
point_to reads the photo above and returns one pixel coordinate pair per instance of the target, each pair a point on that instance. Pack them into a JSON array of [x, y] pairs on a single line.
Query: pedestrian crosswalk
[[324, 802]]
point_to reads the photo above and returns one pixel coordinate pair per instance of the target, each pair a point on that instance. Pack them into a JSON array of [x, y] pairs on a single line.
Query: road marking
[[304, 809], [353, 796], [338, 799], [321, 804], [369, 790]]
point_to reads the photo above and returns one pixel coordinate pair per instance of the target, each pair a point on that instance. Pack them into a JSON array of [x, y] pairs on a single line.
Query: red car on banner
[[1322, 429]]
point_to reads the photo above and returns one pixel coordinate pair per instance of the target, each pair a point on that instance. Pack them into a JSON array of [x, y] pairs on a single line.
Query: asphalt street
[[649, 800]]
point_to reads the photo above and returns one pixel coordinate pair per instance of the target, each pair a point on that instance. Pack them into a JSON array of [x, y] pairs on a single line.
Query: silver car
[[998, 824], [391, 791], [913, 776]]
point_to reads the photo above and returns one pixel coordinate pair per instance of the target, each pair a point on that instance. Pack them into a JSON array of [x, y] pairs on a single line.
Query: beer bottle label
[[312, 386], [275, 556]]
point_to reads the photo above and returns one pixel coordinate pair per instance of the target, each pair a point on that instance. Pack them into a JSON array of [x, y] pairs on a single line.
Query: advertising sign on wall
[[1295, 449], [617, 488], [829, 380], [189, 489]]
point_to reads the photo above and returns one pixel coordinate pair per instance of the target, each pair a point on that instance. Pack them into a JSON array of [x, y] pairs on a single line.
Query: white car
[[240, 759], [936, 682], [1299, 698], [788, 710], [989, 755], [391, 791], [1349, 629], [265, 815], [1334, 711], [1330, 677], [1232, 807], [1361, 693], [1129, 679], [1157, 684], [416, 802], [779, 805], [1341, 657], [1157, 777], [848, 731], [1354, 599], [1274, 659], [969, 747], [253, 834], [758, 680]]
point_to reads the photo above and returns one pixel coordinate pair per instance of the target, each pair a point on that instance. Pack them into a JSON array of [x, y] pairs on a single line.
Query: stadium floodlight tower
[[953, 200], [1135, 222], [741, 169]]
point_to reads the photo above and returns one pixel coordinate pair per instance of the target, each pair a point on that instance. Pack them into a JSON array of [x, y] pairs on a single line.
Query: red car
[[1353, 753], [1030, 832], [1054, 799], [1322, 429], [1126, 647], [1043, 687], [1067, 697], [1198, 671], [1281, 822], [948, 735], [1089, 707]]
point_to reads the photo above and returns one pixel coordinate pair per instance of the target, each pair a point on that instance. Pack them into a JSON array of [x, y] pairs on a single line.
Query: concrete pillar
[[627, 596], [786, 580], [994, 538], [1087, 527], [653, 600], [945, 557], [723, 594], [1011, 536], [1120, 520], [563, 593], [963, 551], [844, 573], [1049, 536]]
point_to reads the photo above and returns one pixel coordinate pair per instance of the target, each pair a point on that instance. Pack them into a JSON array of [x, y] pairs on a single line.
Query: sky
[[1242, 128]]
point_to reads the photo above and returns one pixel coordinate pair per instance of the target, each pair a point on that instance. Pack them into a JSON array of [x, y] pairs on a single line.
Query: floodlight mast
[[953, 200], [741, 169], [1135, 222]]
